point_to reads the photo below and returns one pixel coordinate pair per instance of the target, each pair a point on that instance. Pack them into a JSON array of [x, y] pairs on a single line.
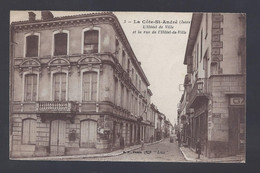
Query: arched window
[[90, 41], [60, 44], [29, 131], [32, 43], [90, 86], [59, 86], [30, 88]]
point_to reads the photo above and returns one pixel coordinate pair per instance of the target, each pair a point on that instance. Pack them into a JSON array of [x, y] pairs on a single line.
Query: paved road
[[160, 152]]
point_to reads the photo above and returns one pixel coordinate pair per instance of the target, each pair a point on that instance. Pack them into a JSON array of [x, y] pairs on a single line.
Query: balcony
[[199, 92], [56, 107]]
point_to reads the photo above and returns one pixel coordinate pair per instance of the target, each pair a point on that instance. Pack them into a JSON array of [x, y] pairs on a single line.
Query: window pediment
[[89, 60], [59, 62], [30, 63]]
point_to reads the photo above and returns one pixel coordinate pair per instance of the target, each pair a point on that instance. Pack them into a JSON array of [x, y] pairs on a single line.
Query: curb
[[232, 160], [57, 158], [187, 158]]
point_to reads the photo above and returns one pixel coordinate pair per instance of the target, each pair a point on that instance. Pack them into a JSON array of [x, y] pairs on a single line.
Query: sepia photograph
[[113, 86]]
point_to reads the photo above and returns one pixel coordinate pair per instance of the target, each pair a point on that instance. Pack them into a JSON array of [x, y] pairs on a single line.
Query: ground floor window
[[29, 131], [88, 133]]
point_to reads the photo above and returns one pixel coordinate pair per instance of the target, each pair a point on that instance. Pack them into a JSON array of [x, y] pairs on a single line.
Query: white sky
[[161, 55]]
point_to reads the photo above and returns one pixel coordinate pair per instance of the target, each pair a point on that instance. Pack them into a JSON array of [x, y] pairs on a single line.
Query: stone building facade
[[76, 87], [213, 104]]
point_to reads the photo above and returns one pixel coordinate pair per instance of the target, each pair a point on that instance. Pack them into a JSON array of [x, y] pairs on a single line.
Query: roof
[[194, 28]]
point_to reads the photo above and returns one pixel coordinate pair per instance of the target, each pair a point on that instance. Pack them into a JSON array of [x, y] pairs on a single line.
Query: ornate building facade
[[76, 87], [212, 107]]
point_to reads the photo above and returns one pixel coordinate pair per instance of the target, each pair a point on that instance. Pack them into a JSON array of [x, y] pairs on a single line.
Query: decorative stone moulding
[[30, 65], [89, 62], [59, 64]]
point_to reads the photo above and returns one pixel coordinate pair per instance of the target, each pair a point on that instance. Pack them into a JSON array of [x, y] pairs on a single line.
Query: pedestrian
[[179, 138], [198, 148], [151, 138], [122, 142], [142, 144]]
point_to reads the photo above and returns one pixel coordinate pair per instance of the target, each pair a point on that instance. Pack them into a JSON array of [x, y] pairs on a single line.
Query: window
[[29, 131], [136, 80], [90, 86], [133, 75], [127, 99], [117, 48], [139, 85], [122, 96], [201, 40], [90, 41], [123, 60], [115, 92], [59, 86], [60, 44], [30, 87], [128, 66], [32, 43]]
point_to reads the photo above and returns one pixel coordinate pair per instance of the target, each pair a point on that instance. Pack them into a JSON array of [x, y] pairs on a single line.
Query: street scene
[[127, 86]]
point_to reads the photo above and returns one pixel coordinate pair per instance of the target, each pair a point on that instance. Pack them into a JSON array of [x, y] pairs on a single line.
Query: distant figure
[[151, 138], [122, 142], [179, 138], [142, 144], [198, 148]]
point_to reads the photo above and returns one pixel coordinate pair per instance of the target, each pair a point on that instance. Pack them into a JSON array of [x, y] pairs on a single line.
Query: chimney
[[32, 16], [46, 15]]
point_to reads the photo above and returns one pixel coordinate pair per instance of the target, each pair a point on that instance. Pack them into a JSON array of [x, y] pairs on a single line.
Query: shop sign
[[237, 101]]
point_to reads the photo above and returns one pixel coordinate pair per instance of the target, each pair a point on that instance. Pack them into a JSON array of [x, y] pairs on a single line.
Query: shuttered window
[[30, 87], [32, 46], [90, 86], [88, 133], [59, 86], [91, 41], [60, 43], [29, 131]]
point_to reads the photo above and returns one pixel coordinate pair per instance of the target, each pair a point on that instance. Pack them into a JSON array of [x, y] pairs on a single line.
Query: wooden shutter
[[88, 133], [86, 86], [94, 86], [59, 82], [62, 131], [26, 131], [29, 131], [54, 132], [56, 87], [28, 86], [83, 133], [63, 87]]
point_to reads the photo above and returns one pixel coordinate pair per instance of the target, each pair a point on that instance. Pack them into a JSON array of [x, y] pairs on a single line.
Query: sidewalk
[[191, 156], [113, 153]]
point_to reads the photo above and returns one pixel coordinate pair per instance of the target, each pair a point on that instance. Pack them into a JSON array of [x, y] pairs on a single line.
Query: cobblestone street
[[160, 152]]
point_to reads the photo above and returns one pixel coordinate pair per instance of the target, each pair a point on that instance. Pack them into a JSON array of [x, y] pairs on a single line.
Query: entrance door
[[131, 129], [236, 130], [57, 140], [88, 133]]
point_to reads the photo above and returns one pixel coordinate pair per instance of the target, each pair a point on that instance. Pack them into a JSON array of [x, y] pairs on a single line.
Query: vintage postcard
[[127, 86]]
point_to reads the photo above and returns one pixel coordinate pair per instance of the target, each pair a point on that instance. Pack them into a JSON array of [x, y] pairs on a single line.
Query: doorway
[[57, 137]]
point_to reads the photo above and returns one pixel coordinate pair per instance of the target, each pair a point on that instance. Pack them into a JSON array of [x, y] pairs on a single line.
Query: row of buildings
[[212, 107], [77, 88]]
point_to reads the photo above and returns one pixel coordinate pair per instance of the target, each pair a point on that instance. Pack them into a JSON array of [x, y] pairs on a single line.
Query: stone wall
[[218, 129]]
